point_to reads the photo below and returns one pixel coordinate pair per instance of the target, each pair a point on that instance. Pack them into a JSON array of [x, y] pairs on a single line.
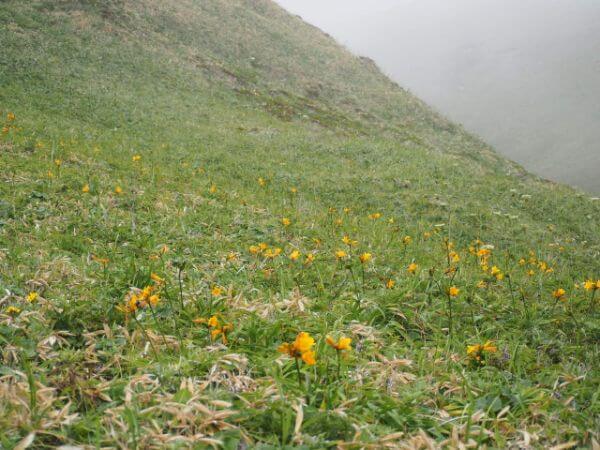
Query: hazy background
[[523, 74]]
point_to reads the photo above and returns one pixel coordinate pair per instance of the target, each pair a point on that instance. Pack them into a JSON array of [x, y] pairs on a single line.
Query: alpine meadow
[[221, 229]]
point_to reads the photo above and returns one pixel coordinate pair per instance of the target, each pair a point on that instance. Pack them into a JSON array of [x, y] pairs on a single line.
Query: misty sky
[[523, 74]]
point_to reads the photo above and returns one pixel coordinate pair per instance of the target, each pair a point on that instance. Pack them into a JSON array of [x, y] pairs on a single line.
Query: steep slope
[[174, 137]]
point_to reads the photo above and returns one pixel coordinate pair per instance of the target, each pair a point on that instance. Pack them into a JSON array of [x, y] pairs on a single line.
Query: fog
[[522, 74]]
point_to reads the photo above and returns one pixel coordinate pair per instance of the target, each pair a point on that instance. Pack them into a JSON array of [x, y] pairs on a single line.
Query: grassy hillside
[[177, 172]]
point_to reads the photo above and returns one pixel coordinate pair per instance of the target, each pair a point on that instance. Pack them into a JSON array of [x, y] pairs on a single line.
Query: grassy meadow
[[220, 229]]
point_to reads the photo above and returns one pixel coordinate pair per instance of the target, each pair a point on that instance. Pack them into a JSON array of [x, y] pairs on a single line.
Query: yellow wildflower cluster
[[350, 242], [340, 254], [365, 258], [141, 298], [13, 311], [453, 291], [301, 348], [216, 328], [478, 351], [343, 343], [264, 250], [412, 268], [559, 294], [10, 118], [591, 285]]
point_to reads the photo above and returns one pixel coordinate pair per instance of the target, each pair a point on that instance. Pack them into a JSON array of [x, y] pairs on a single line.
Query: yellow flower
[[365, 258], [222, 331], [347, 210], [232, 256], [344, 343], [303, 342], [483, 252], [254, 249], [477, 351], [154, 299], [118, 190], [147, 291], [294, 190], [272, 253], [412, 268], [132, 304], [50, 174], [85, 189], [213, 322], [454, 257], [12, 310], [32, 297], [310, 257], [482, 284], [294, 255], [340, 254], [489, 347], [473, 349], [10, 117], [559, 293], [406, 240], [261, 181], [57, 162], [286, 349], [301, 348], [389, 284], [375, 216], [346, 240], [103, 261], [591, 285], [309, 358], [216, 291], [450, 271], [136, 158], [453, 291], [522, 261], [263, 246], [286, 222], [213, 188], [157, 279]]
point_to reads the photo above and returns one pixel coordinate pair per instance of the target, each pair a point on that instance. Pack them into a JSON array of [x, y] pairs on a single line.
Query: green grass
[[214, 95]]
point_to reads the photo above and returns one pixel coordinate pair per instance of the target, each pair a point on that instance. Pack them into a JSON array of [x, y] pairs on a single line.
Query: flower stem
[[146, 336], [298, 372]]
